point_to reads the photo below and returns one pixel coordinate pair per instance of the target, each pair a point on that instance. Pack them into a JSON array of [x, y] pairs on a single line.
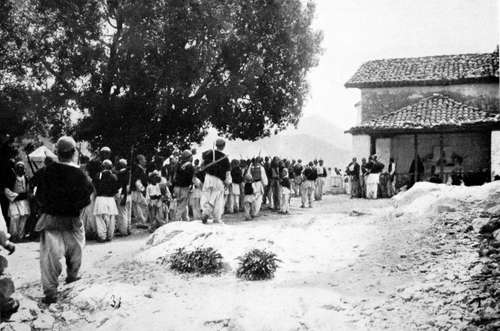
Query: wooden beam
[[415, 161], [441, 152]]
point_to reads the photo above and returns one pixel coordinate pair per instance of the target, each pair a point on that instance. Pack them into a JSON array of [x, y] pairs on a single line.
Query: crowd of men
[[369, 180], [182, 189], [69, 200]]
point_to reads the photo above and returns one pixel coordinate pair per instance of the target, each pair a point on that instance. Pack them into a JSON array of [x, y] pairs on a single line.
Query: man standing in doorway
[[63, 192]]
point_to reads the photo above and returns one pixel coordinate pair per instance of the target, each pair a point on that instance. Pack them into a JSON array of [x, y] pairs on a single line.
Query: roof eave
[[442, 82], [434, 129]]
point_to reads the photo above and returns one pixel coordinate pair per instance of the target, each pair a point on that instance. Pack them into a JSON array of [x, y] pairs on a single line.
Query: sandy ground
[[344, 264]]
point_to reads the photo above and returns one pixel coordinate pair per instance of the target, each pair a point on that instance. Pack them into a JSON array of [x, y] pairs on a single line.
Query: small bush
[[257, 265], [201, 260]]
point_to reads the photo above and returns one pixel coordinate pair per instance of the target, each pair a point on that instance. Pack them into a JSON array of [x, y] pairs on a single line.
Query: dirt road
[[347, 265]]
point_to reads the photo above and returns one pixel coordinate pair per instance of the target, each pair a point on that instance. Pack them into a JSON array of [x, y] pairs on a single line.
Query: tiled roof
[[428, 70], [431, 112]]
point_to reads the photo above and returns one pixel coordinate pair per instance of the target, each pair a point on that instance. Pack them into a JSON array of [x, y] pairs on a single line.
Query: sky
[[356, 31]]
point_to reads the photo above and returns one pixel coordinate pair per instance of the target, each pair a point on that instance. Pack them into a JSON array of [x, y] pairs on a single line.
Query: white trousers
[[105, 225], [54, 245], [212, 197]]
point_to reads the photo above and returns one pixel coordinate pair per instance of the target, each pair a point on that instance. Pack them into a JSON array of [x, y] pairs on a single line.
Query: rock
[[407, 295], [478, 223], [496, 235], [15, 326], [493, 211], [3, 264], [485, 225], [23, 315], [492, 225], [6, 287], [70, 316], [355, 213], [445, 209], [44, 322]]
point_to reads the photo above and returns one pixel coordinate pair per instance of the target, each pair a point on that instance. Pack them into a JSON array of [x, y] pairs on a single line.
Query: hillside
[[321, 128]]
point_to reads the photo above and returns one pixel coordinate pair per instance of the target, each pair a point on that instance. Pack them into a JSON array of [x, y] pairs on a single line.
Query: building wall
[[383, 151], [378, 101], [473, 147], [361, 146], [495, 153]]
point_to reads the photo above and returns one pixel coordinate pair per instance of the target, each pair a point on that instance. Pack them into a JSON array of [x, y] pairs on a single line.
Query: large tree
[[157, 73]]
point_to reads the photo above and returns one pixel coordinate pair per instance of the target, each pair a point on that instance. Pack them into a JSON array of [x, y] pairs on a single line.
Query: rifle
[[31, 165], [130, 171], [203, 168]]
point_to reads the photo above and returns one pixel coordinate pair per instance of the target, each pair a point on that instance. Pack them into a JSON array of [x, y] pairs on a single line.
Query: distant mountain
[[314, 138], [321, 128]]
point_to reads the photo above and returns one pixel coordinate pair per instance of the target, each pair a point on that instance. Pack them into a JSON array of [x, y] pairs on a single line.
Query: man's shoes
[[70, 280], [204, 219], [49, 300], [302, 206]]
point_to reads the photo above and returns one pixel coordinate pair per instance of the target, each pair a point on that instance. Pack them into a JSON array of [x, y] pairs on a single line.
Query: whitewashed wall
[[361, 146], [383, 151], [495, 153]]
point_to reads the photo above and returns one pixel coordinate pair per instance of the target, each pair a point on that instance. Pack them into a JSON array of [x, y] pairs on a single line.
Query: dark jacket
[[63, 190], [355, 171], [297, 169], [248, 189], [237, 175], [184, 175], [139, 174], [94, 168], [310, 173], [218, 169], [106, 184], [285, 182], [123, 177]]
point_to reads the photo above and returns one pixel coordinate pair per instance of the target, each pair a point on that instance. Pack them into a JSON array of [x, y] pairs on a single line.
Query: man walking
[[63, 192], [320, 181], [353, 170], [138, 195], [297, 169], [218, 175], [307, 189], [183, 179]]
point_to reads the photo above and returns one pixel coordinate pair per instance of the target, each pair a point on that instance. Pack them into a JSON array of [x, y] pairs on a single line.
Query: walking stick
[[31, 165], [129, 187]]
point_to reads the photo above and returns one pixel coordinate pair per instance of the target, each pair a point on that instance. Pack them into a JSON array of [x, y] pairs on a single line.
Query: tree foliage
[[153, 73]]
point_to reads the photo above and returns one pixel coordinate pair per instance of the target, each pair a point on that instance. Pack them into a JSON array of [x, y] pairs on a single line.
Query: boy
[[153, 197]]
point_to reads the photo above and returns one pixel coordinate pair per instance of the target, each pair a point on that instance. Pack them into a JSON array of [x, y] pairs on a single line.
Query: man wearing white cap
[[19, 207], [218, 175], [64, 190], [94, 166], [123, 201], [105, 211]]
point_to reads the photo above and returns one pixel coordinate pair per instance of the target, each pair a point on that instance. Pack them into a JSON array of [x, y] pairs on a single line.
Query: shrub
[[201, 260], [257, 265]]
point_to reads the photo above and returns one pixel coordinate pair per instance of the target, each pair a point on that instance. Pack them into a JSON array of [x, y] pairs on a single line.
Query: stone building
[[445, 109]]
